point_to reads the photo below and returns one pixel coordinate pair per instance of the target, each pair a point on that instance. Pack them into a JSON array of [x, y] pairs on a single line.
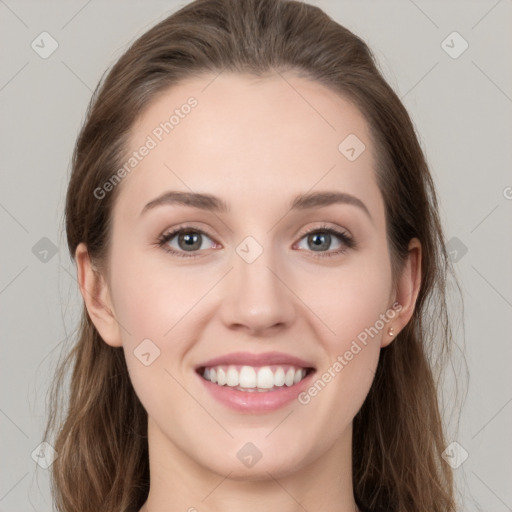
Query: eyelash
[[346, 239]]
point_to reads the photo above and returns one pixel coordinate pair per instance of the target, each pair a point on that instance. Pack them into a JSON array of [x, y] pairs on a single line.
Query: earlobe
[[408, 287], [96, 295]]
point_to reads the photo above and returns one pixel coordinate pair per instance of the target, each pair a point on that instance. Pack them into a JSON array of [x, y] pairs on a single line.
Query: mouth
[[250, 379], [255, 383]]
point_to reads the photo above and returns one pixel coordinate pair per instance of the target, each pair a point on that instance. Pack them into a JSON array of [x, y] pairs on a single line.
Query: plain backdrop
[[460, 102]]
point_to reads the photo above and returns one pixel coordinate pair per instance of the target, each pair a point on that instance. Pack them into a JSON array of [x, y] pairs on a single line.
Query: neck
[[178, 482]]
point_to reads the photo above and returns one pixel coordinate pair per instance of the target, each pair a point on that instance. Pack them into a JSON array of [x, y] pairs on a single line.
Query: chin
[[263, 469]]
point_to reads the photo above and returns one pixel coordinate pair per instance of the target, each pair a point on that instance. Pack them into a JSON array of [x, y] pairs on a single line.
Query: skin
[[255, 143]]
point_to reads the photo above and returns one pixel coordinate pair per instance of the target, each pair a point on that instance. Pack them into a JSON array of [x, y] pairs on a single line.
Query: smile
[[254, 379]]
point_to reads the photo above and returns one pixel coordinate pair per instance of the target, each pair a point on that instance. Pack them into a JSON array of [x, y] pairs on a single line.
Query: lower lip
[[256, 401]]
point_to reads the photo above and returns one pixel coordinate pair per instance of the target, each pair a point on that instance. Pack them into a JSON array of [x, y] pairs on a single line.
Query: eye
[[320, 238], [189, 240]]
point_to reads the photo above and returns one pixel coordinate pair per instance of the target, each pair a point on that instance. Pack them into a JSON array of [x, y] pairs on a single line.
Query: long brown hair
[[101, 440]]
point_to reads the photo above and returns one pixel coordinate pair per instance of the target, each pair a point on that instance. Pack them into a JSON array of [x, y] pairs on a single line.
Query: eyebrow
[[212, 203]]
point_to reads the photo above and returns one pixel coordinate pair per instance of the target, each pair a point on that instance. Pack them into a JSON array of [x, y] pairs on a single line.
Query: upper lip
[[250, 359]]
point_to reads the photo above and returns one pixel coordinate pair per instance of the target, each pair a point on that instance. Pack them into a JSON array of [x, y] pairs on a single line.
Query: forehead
[[249, 140]]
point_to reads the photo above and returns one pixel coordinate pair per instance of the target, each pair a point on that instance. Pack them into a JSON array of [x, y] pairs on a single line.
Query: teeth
[[232, 377], [265, 378], [279, 377], [248, 378], [221, 377]]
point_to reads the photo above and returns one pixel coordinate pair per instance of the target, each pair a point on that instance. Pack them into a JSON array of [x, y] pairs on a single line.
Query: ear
[[95, 293], [406, 293]]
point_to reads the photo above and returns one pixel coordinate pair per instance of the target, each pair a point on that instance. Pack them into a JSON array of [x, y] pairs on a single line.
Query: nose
[[257, 298]]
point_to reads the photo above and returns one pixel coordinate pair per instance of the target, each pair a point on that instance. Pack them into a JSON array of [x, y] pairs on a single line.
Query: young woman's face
[[248, 280]]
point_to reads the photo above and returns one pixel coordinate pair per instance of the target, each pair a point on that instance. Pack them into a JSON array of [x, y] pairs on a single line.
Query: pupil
[[315, 239], [193, 238]]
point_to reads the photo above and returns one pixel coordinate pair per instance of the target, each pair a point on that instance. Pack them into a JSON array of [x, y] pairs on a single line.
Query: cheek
[[158, 309], [152, 300], [348, 299], [357, 310], [354, 305]]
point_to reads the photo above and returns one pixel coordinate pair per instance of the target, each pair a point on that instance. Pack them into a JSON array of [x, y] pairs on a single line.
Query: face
[[305, 289]]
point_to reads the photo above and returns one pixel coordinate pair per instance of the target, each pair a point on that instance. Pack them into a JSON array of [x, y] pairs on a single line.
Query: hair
[[398, 434]]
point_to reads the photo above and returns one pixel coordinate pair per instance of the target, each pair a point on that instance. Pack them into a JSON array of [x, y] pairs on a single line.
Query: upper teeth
[[264, 377]]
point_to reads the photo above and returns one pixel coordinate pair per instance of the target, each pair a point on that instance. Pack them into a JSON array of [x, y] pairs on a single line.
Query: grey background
[[461, 107]]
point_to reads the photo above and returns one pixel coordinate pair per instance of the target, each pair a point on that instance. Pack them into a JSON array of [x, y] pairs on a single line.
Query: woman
[[263, 272]]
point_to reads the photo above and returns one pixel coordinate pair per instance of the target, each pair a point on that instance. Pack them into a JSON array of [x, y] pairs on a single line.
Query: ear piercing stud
[[391, 331]]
